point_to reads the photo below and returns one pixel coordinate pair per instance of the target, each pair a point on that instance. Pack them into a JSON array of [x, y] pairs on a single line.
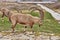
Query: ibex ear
[[9, 13]]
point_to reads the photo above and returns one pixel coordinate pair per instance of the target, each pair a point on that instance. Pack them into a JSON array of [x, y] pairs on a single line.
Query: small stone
[[59, 22], [1, 36]]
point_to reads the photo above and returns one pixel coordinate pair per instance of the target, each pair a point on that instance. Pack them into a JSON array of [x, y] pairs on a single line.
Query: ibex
[[25, 19]]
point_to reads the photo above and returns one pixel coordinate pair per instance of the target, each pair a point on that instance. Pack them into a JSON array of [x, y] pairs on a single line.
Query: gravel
[[28, 36]]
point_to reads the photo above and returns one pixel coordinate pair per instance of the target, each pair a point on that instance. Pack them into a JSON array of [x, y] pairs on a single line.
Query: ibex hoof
[[25, 26], [12, 31]]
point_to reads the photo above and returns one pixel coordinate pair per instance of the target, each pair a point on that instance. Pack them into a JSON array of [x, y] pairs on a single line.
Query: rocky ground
[[27, 36]]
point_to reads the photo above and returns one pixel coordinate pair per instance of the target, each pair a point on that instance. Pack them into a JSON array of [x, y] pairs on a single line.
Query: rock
[[5, 39], [24, 37], [1, 36], [29, 33], [55, 37], [59, 22]]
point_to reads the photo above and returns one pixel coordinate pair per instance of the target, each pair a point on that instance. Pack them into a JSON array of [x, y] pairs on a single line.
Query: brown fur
[[24, 19]]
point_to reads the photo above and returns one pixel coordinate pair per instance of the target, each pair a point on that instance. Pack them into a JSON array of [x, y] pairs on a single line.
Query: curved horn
[[40, 11]]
